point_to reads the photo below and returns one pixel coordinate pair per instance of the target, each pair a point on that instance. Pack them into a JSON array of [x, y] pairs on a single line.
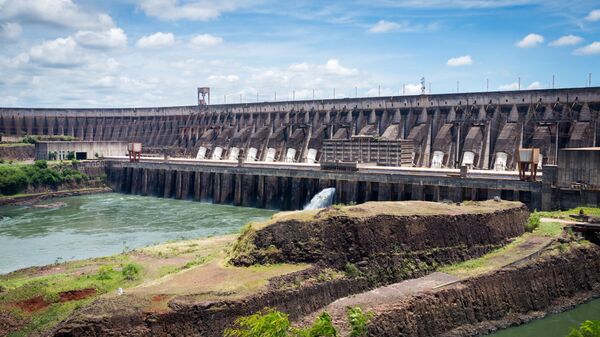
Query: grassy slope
[[171, 269], [521, 247]]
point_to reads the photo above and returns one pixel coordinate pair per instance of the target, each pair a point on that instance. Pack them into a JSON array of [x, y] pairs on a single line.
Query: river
[[108, 223], [558, 325]]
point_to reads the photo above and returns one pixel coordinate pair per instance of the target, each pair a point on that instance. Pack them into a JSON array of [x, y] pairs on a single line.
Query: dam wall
[[292, 189], [481, 130]]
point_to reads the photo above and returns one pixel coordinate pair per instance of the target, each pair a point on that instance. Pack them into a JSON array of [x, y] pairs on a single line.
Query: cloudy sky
[[83, 53]]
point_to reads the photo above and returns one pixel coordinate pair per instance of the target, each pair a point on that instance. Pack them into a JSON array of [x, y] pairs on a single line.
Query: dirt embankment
[[382, 248], [386, 247], [553, 282]]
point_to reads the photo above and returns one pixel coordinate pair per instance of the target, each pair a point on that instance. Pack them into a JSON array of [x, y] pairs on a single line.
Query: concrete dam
[[406, 147]]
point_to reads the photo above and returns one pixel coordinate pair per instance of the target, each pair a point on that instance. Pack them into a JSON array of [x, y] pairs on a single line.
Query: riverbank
[[32, 198], [198, 287]]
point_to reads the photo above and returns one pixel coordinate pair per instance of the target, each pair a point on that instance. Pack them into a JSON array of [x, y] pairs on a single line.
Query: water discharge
[[105, 224], [322, 199]]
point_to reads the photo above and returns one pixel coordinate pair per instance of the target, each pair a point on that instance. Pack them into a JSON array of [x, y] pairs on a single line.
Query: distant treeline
[[17, 178]]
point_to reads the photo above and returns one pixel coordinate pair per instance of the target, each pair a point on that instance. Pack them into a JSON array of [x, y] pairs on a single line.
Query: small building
[[80, 150], [368, 149], [580, 168]]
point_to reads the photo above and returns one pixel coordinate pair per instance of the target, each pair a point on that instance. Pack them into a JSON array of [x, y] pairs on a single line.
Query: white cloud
[[62, 52], [412, 89], [10, 31], [591, 49], [205, 40], [567, 40], [197, 10], [112, 38], [156, 40], [530, 41], [221, 78], [594, 15], [384, 26], [334, 67], [510, 86], [460, 61], [62, 13], [454, 3], [299, 67], [535, 85], [515, 86]]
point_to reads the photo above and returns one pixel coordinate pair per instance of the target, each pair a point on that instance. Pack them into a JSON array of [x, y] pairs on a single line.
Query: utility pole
[[552, 81], [379, 90], [457, 86], [589, 79], [313, 93], [487, 84], [333, 93], [519, 85], [355, 92], [224, 99], [403, 89], [275, 96]]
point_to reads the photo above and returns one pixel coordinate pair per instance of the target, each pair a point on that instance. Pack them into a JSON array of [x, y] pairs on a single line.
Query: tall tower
[[203, 96]]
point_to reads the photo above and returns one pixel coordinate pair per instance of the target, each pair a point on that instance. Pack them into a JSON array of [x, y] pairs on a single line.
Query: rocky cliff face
[[552, 282], [387, 247], [382, 248]]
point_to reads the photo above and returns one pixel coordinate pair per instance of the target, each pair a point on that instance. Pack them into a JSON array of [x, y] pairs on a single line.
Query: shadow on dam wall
[[284, 193]]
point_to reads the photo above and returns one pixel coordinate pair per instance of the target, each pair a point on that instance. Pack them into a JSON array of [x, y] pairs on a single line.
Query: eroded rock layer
[[510, 296]]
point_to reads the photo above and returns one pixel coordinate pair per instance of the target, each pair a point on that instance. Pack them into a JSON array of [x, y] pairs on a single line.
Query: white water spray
[[322, 199]]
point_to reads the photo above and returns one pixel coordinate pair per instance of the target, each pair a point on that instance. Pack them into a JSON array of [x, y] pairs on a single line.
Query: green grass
[[499, 257], [593, 211], [23, 287], [15, 144]]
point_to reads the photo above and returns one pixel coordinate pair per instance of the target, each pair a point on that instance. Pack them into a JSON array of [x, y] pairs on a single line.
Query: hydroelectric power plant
[[418, 210], [280, 154]]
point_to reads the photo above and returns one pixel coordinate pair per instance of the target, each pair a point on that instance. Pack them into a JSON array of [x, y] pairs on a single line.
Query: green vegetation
[[586, 329], [352, 270], [16, 178], [358, 321], [533, 222], [519, 248], [131, 271], [31, 139], [565, 215], [272, 323], [21, 287]]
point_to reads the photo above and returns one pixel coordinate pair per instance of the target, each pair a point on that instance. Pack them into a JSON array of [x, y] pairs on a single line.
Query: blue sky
[[81, 53]]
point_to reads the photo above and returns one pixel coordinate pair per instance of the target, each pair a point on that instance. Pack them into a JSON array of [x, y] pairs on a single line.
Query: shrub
[[586, 329], [358, 321], [12, 180], [70, 155], [40, 164], [29, 139], [351, 270], [104, 273], [322, 327], [268, 323], [533, 222], [131, 271]]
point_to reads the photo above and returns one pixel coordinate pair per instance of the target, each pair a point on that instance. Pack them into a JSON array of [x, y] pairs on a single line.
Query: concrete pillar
[[197, 186], [385, 192], [178, 184], [455, 194], [237, 194], [416, 192]]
